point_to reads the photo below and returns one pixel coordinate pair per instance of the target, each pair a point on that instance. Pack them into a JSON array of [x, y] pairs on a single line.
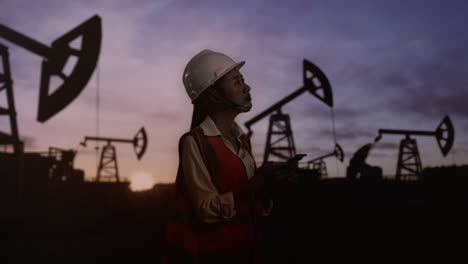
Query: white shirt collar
[[209, 128]]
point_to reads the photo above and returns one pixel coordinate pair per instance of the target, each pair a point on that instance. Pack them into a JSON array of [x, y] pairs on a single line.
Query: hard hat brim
[[237, 65]]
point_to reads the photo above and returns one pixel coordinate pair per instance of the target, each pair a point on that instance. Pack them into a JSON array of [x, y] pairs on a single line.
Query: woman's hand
[[270, 174], [267, 178], [277, 171]]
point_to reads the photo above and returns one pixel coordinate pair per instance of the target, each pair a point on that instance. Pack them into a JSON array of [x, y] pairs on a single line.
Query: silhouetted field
[[333, 220]]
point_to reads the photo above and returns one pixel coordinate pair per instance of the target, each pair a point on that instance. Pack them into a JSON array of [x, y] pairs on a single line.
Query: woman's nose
[[247, 88]]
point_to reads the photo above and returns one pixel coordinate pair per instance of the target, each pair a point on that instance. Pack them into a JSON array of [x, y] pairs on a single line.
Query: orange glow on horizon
[[141, 181]]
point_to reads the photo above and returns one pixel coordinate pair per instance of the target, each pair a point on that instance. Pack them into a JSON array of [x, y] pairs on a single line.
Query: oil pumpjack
[[280, 141], [319, 165], [55, 59], [108, 168], [18, 167], [409, 166]]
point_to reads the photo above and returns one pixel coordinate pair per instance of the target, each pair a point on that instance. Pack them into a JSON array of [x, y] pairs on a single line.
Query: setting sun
[[140, 181]]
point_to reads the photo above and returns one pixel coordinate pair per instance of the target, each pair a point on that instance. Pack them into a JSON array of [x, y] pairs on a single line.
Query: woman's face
[[234, 88]]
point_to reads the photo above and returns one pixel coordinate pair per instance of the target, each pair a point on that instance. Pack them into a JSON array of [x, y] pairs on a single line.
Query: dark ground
[[324, 221]]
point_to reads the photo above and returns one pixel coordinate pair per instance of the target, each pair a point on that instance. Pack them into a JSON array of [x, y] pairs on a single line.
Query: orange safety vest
[[188, 239]]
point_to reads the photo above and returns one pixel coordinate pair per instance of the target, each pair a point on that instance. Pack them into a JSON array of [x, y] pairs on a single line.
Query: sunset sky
[[392, 64]]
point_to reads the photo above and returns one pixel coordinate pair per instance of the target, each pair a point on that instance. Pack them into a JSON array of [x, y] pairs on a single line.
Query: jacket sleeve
[[208, 204]]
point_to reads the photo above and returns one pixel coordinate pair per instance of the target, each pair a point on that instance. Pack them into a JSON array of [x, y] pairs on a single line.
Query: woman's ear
[[214, 96]]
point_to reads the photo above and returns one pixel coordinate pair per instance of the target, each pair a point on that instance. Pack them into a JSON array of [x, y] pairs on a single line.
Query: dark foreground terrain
[[325, 221]]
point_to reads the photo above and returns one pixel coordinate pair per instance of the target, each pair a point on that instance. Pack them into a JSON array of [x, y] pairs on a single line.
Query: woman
[[220, 194]]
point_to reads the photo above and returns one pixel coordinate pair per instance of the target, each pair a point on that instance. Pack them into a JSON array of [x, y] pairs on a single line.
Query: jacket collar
[[209, 128]]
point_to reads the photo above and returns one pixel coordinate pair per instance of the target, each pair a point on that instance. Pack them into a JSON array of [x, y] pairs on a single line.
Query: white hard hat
[[204, 69]]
